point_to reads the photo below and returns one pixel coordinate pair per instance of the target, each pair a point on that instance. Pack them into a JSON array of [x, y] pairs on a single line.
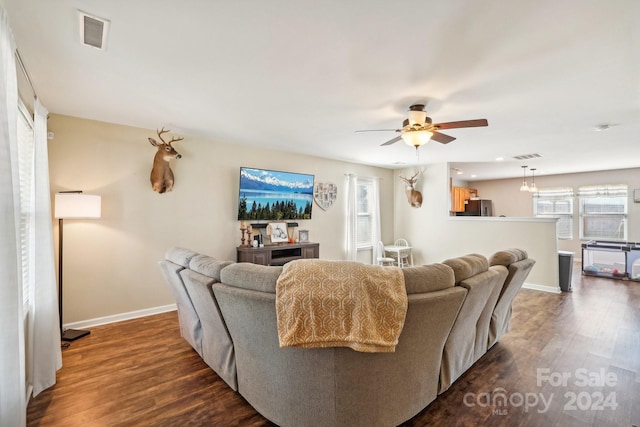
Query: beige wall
[[110, 264], [509, 201], [436, 236]]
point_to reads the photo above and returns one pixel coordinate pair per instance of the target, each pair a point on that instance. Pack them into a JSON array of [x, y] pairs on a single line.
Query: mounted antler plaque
[[161, 173], [414, 197]]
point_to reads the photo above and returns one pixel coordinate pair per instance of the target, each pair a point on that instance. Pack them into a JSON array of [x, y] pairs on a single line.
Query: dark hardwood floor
[[569, 360]]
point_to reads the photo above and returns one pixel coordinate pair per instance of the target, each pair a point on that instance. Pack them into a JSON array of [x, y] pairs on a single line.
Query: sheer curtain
[[44, 357], [12, 353], [26, 253]]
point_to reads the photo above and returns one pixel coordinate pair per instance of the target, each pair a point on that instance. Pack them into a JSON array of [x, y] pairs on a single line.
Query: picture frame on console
[[278, 232]]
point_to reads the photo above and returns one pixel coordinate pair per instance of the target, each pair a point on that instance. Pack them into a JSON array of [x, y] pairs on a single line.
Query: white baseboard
[[84, 324], [542, 288]]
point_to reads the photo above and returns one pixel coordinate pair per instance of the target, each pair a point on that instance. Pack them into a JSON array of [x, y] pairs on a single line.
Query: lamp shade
[[416, 138], [417, 117], [77, 206]]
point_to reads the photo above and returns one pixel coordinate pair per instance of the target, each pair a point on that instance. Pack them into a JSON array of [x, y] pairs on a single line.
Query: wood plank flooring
[[142, 373]]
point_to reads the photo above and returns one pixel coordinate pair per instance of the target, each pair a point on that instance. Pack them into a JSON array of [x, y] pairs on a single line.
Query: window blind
[[364, 221], [556, 203], [554, 193], [603, 212], [616, 190], [26, 167]]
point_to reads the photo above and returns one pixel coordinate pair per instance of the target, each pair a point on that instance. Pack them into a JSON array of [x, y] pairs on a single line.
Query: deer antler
[[173, 138], [413, 179]]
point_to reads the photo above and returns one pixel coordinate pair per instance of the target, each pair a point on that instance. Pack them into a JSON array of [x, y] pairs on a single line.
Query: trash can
[[565, 269]]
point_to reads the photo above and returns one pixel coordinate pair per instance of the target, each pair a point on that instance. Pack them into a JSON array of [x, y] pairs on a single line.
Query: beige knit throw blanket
[[340, 304]]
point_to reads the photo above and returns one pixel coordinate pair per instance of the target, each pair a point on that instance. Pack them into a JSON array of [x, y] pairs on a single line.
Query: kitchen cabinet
[[459, 195]]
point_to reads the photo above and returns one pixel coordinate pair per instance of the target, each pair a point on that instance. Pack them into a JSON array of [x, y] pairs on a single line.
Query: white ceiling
[[303, 75]]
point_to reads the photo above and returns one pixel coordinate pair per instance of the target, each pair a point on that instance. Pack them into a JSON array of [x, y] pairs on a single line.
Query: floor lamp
[[72, 205]]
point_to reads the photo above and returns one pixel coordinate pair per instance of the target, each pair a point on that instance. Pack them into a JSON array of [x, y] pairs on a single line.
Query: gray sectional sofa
[[456, 311]]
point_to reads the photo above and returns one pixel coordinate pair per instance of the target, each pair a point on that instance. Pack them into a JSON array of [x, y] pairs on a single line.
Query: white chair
[[382, 258], [404, 257]]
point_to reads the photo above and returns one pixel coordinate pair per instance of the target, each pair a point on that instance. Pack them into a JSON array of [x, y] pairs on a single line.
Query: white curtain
[[352, 218], [44, 357], [12, 353], [376, 231]]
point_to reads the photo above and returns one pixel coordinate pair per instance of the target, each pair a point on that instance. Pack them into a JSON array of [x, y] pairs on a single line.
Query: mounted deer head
[[161, 173], [414, 197]]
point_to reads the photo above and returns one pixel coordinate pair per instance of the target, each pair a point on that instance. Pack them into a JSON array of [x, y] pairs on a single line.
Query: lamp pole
[[60, 273]]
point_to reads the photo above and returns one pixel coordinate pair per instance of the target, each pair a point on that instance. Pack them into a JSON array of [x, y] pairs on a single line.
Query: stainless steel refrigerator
[[478, 208]]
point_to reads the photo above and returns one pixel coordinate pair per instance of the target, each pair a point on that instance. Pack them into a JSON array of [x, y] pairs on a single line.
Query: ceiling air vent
[[93, 30], [528, 156]]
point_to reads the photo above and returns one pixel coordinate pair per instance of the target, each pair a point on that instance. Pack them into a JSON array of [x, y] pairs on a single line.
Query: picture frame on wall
[[278, 232], [325, 194]]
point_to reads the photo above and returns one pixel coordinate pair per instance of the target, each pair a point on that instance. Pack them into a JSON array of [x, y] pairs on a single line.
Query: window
[[364, 190], [26, 173], [556, 203], [362, 217], [603, 212]]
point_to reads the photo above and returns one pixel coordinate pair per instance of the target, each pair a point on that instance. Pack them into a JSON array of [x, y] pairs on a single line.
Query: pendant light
[[524, 186], [533, 187]]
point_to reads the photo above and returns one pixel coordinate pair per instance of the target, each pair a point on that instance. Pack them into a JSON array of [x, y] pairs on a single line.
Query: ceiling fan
[[418, 129]]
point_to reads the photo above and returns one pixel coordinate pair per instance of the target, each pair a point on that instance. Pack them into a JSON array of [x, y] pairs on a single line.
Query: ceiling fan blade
[[462, 124], [378, 130], [392, 141], [442, 138]]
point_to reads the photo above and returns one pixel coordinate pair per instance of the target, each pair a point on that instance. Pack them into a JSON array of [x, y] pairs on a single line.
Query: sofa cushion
[[467, 266], [251, 276], [507, 257], [180, 256], [428, 278], [207, 265]]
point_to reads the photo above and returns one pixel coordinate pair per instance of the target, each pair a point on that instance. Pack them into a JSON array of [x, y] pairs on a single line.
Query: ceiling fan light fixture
[[418, 128], [417, 117], [416, 138]]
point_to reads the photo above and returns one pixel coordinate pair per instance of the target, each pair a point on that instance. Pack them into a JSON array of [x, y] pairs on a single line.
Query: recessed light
[[499, 159], [474, 175]]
